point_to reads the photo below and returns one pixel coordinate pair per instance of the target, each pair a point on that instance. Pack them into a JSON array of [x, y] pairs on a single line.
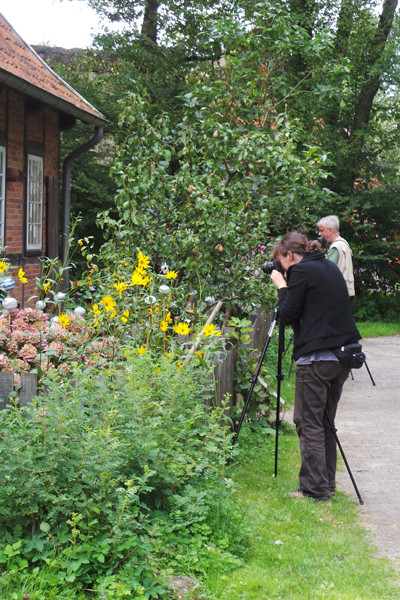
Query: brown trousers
[[318, 387]]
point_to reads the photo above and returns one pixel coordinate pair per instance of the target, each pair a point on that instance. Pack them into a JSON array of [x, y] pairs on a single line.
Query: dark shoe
[[322, 498]]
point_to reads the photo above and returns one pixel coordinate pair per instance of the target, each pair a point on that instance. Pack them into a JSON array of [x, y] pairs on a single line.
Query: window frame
[[34, 204]]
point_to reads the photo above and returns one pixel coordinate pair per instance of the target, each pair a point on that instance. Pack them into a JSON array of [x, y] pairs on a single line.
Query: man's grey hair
[[330, 222]]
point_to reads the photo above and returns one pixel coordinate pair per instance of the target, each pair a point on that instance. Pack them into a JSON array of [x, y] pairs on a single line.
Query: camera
[[269, 266], [321, 240]]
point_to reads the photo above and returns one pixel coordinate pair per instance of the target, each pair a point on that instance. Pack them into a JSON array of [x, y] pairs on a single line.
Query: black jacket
[[317, 304]]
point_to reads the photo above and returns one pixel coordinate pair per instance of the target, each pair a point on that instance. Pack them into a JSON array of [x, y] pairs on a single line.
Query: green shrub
[[376, 306], [109, 479]]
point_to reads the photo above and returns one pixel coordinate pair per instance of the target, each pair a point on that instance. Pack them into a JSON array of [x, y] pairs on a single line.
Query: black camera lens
[[322, 241], [269, 266]]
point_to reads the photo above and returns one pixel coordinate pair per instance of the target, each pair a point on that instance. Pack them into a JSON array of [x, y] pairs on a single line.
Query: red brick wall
[[15, 160], [26, 129], [34, 127], [52, 144]]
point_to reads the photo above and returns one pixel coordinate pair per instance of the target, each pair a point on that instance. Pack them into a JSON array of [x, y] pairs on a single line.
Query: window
[[34, 208], [2, 191]]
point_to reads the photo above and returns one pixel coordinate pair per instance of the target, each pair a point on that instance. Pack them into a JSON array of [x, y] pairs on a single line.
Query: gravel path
[[368, 427]]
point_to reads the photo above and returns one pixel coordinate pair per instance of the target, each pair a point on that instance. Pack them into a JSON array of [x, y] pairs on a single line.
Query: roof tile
[[18, 60]]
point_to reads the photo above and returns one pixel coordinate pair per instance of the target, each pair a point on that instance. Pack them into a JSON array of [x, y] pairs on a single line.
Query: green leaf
[[45, 527]]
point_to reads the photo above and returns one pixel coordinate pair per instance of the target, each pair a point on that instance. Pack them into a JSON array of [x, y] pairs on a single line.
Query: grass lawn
[[377, 328], [297, 549]]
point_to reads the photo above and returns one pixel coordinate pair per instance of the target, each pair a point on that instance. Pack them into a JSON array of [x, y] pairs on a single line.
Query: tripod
[[369, 373], [279, 376], [333, 428], [254, 378]]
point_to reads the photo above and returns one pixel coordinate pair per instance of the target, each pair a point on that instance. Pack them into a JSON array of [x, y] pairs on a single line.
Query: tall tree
[[167, 22], [354, 71], [347, 97], [332, 66], [206, 193]]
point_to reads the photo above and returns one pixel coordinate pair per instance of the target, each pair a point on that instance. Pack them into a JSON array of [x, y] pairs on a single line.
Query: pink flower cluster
[[28, 339], [22, 337]]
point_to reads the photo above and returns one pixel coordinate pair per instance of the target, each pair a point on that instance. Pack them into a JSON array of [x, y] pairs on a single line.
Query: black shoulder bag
[[350, 356]]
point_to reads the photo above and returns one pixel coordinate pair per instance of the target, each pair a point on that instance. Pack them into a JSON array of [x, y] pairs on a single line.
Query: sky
[[68, 24]]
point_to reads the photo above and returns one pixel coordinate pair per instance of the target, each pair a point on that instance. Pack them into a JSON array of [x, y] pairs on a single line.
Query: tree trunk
[[304, 13], [371, 85], [149, 26], [348, 10], [349, 168]]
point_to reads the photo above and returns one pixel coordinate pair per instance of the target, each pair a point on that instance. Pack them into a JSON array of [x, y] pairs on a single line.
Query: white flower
[[9, 303], [164, 289]]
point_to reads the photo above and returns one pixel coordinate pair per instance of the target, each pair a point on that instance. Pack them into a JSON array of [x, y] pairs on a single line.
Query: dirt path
[[368, 427]]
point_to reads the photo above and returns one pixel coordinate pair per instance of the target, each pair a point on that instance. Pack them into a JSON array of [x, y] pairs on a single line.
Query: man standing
[[339, 250]]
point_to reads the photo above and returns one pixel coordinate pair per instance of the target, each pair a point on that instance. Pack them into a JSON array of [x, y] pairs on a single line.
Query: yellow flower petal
[[171, 275], [21, 276]]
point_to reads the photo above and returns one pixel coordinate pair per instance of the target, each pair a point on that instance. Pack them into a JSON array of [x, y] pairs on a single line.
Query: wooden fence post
[[26, 392], [28, 388], [6, 388]]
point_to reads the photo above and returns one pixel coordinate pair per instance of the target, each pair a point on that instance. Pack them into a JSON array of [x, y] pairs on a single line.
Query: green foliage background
[[303, 97]]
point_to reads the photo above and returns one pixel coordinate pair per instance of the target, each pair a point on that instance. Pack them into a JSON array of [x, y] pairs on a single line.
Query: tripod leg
[[254, 378], [279, 377], [361, 501], [288, 346], [369, 373]]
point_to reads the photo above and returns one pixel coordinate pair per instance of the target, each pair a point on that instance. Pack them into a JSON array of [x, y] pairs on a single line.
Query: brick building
[[36, 105]]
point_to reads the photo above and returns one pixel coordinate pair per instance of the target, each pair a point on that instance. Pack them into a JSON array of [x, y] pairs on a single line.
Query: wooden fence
[[24, 392], [223, 372]]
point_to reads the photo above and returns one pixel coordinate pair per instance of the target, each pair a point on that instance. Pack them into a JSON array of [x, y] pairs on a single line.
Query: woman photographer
[[313, 298]]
